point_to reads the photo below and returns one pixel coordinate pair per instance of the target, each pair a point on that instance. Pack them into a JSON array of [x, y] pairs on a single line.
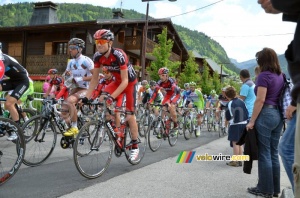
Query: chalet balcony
[[133, 44]]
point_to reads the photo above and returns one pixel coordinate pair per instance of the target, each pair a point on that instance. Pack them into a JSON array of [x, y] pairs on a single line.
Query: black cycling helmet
[[152, 83], [78, 42]]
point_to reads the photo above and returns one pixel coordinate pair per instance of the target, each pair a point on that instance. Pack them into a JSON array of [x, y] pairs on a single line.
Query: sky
[[241, 27]]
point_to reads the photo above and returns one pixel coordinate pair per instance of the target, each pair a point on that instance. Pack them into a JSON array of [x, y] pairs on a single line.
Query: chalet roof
[[215, 66]]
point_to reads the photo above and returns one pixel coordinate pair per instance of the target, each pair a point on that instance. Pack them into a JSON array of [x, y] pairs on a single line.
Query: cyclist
[[55, 81], [142, 96], [196, 98], [81, 68], [158, 98], [185, 93], [18, 82], [222, 104], [172, 94], [117, 63]]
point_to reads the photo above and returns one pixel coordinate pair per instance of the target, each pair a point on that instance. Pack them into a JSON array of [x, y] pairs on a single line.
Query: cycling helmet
[[144, 82], [192, 84], [52, 71], [186, 85], [213, 92], [78, 42], [163, 70], [104, 34], [2, 69], [152, 83]]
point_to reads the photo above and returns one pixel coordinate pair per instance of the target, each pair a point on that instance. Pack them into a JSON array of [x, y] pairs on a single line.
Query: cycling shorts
[[175, 100], [27, 92], [19, 87], [129, 91]]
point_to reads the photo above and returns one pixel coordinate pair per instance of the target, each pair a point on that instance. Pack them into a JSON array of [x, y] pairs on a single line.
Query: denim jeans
[[286, 148], [268, 125]]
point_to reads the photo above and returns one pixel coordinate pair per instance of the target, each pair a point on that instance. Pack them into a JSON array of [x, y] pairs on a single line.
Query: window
[[15, 49], [56, 48]]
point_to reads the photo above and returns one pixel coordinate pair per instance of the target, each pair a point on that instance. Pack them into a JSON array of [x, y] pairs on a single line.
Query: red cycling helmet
[[163, 70], [2, 69], [52, 71], [104, 34]]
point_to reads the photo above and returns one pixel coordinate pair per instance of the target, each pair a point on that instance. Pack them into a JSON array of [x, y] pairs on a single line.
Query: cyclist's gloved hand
[[85, 100], [110, 100]]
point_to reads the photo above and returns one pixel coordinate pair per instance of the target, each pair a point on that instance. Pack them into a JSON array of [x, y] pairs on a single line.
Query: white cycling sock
[[74, 124], [199, 127]]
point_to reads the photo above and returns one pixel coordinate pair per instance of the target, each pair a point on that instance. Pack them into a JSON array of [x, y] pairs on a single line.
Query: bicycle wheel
[[209, 123], [180, 121], [221, 129], [154, 135], [40, 137], [187, 127], [92, 150], [11, 152], [173, 135], [142, 147], [143, 124]]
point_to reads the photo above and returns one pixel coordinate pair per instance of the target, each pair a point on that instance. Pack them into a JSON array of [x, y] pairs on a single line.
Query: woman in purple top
[[267, 120]]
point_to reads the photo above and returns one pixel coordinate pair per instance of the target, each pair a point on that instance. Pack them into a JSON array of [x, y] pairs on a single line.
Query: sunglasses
[[105, 72], [101, 41], [73, 47]]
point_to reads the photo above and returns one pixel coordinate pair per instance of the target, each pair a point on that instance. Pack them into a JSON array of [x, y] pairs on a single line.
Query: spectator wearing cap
[[247, 90]]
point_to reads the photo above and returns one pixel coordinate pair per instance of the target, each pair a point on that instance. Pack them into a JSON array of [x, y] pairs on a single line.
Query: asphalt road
[[58, 175]]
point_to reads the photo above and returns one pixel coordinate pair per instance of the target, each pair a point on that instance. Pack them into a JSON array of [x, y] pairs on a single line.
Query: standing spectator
[[237, 115], [46, 84], [291, 12], [267, 120], [256, 71], [287, 142], [247, 90]]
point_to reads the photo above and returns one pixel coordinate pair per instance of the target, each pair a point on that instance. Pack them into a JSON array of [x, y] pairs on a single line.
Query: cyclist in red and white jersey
[[117, 63], [172, 95]]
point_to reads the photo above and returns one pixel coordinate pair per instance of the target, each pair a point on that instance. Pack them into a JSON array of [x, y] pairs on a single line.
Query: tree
[[162, 52], [190, 71], [216, 82], [206, 83]]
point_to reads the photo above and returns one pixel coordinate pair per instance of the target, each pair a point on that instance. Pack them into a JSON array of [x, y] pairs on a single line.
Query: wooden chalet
[[44, 43]]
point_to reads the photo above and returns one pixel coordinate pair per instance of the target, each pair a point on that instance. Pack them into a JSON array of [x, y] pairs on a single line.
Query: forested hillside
[[19, 14]]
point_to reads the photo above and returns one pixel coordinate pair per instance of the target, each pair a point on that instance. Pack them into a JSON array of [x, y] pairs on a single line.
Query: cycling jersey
[[197, 98], [184, 96], [117, 60], [80, 67], [13, 69], [172, 91], [18, 77], [57, 81]]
